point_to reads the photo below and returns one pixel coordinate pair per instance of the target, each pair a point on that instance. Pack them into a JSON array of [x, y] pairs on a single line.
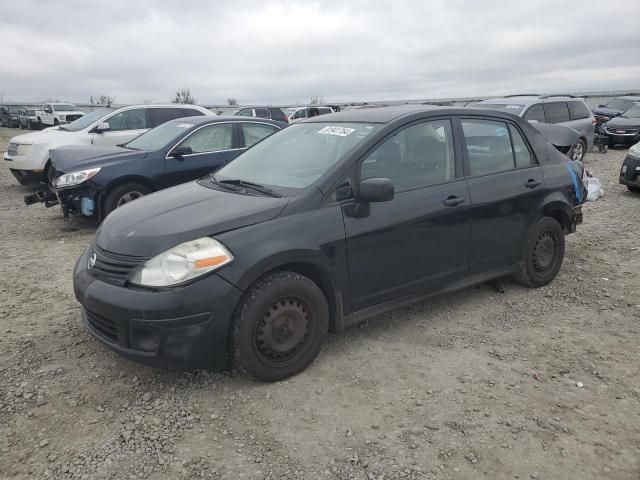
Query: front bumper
[[630, 172], [626, 139], [180, 329], [81, 200], [27, 177]]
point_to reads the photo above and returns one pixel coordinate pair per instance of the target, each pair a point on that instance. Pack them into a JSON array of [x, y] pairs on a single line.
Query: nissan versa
[[322, 224]]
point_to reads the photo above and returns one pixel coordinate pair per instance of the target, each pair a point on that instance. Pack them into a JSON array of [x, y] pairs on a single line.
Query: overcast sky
[[286, 51]]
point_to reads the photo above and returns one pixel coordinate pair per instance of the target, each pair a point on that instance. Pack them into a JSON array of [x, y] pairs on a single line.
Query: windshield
[[88, 119], [620, 104], [502, 107], [31, 112], [632, 112], [159, 137], [64, 107], [296, 156]]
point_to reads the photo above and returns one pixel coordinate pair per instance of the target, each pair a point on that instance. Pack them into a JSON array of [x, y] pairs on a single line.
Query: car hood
[[50, 136], [609, 112], [623, 122], [67, 159], [157, 222]]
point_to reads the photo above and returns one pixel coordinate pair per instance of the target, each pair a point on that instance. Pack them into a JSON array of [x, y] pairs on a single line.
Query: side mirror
[[180, 152], [601, 105], [102, 127], [376, 190]]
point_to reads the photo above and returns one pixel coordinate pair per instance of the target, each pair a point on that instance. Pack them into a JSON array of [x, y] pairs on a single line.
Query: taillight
[[593, 121]]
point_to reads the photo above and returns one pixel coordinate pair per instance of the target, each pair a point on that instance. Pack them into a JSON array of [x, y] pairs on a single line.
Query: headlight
[[75, 178], [635, 151], [184, 262], [18, 148]]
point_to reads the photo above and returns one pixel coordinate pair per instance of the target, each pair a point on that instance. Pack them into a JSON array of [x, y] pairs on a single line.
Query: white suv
[[28, 155]]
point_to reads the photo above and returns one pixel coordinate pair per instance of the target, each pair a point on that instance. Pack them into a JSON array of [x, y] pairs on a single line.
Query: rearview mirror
[[376, 190], [180, 152], [102, 127]]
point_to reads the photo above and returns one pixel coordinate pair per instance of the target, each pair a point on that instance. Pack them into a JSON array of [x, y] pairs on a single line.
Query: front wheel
[[279, 327], [579, 150], [544, 253], [123, 194]]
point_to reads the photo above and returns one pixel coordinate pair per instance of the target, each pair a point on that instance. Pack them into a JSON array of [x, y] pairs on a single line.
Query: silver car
[[563, 109]]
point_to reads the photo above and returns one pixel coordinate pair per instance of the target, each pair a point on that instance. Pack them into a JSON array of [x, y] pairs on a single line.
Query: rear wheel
[[56, 122], [579, 150], [279, 327], [544, 253], [123, 194], [633, 188]]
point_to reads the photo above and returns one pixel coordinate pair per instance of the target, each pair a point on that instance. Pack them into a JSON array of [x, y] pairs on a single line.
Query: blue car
[[93, 181]]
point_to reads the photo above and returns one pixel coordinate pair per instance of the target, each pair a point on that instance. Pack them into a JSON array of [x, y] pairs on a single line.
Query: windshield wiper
[[247, 185]]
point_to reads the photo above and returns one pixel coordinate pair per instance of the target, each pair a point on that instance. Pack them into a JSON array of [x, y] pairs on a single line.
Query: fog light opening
[[145, 339]]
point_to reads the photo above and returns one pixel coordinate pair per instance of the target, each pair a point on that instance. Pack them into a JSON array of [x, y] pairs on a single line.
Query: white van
[[308, 112]]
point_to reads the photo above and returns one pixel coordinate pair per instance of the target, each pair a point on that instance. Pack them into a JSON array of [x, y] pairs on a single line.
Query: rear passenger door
[[418, 241], [506, 186], [211, 145]]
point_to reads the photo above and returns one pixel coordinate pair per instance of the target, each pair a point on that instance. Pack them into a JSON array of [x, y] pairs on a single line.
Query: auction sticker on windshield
[[339, 131], [184, 125]]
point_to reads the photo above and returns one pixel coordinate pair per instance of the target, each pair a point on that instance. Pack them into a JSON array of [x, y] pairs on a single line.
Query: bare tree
[[232, 101], [316, 100], [183, 96], [106, 100]]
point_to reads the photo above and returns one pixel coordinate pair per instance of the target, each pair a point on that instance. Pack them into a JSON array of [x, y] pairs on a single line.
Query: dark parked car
[[630, 171], [93, 181], [613, 108], [623, 129], [272, 113], [9, 117], [321, 225]]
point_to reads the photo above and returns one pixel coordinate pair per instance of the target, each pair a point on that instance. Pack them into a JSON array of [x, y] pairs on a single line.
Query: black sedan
[[625, 129], [330, 221], [93, 181], [613, 108]]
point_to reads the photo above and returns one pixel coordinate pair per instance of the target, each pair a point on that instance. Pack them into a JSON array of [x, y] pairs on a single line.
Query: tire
[[633, 188], [29, 127], [55, 122], [39, 124], [544, 253], [279, 327], [122, 194], [579, 150]]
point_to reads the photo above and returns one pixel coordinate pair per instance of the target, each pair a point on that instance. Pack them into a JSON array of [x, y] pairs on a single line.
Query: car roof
[[381, 114], [630, 97], [203, 119], [528, 99]]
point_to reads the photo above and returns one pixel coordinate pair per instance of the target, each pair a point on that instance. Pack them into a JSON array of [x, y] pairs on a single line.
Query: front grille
[[112, 267], [621, 131], [104, 327], [71, 118]]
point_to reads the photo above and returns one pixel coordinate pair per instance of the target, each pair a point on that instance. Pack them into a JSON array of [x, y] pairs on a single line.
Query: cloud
[[287, 51]]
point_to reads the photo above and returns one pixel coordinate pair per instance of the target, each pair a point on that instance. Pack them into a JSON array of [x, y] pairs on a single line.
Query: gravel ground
[[541, 384]]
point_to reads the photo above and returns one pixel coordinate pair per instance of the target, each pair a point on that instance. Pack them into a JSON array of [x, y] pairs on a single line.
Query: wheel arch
[[559, 211], [121, 181]]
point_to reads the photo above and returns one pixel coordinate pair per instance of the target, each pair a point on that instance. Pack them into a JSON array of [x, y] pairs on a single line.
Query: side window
[[211, 138], [488, 146], [128, 120], [578, 110], [191, 112], [246, 112], [254, 132], [536, 112], [158, 116], [302, 113], [520, 149], [262, 113], [556, 112], [415, 157]]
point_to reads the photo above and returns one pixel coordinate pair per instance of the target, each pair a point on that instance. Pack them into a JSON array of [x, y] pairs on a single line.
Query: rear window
[[556, 112], [262, 113], [578, 110]]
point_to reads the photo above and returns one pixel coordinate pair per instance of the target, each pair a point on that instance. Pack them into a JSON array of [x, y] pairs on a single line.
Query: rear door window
[[158, 116], [535, 112], [578, 110], [520, 149], [246, 112], [262, 113], [556, 112], [212, 138], [135, 119]]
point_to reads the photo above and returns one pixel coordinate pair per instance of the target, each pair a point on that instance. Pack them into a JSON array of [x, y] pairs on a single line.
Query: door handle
[[532, 183], [453, 201]]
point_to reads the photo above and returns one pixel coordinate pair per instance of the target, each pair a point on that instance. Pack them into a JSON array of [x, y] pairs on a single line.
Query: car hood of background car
[[51, 136], [70, 159], [157, 222], [609, 112], [621, 122]]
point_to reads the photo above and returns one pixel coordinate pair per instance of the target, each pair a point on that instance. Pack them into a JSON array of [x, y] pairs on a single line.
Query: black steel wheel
[[544, 253], [279, 327]]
